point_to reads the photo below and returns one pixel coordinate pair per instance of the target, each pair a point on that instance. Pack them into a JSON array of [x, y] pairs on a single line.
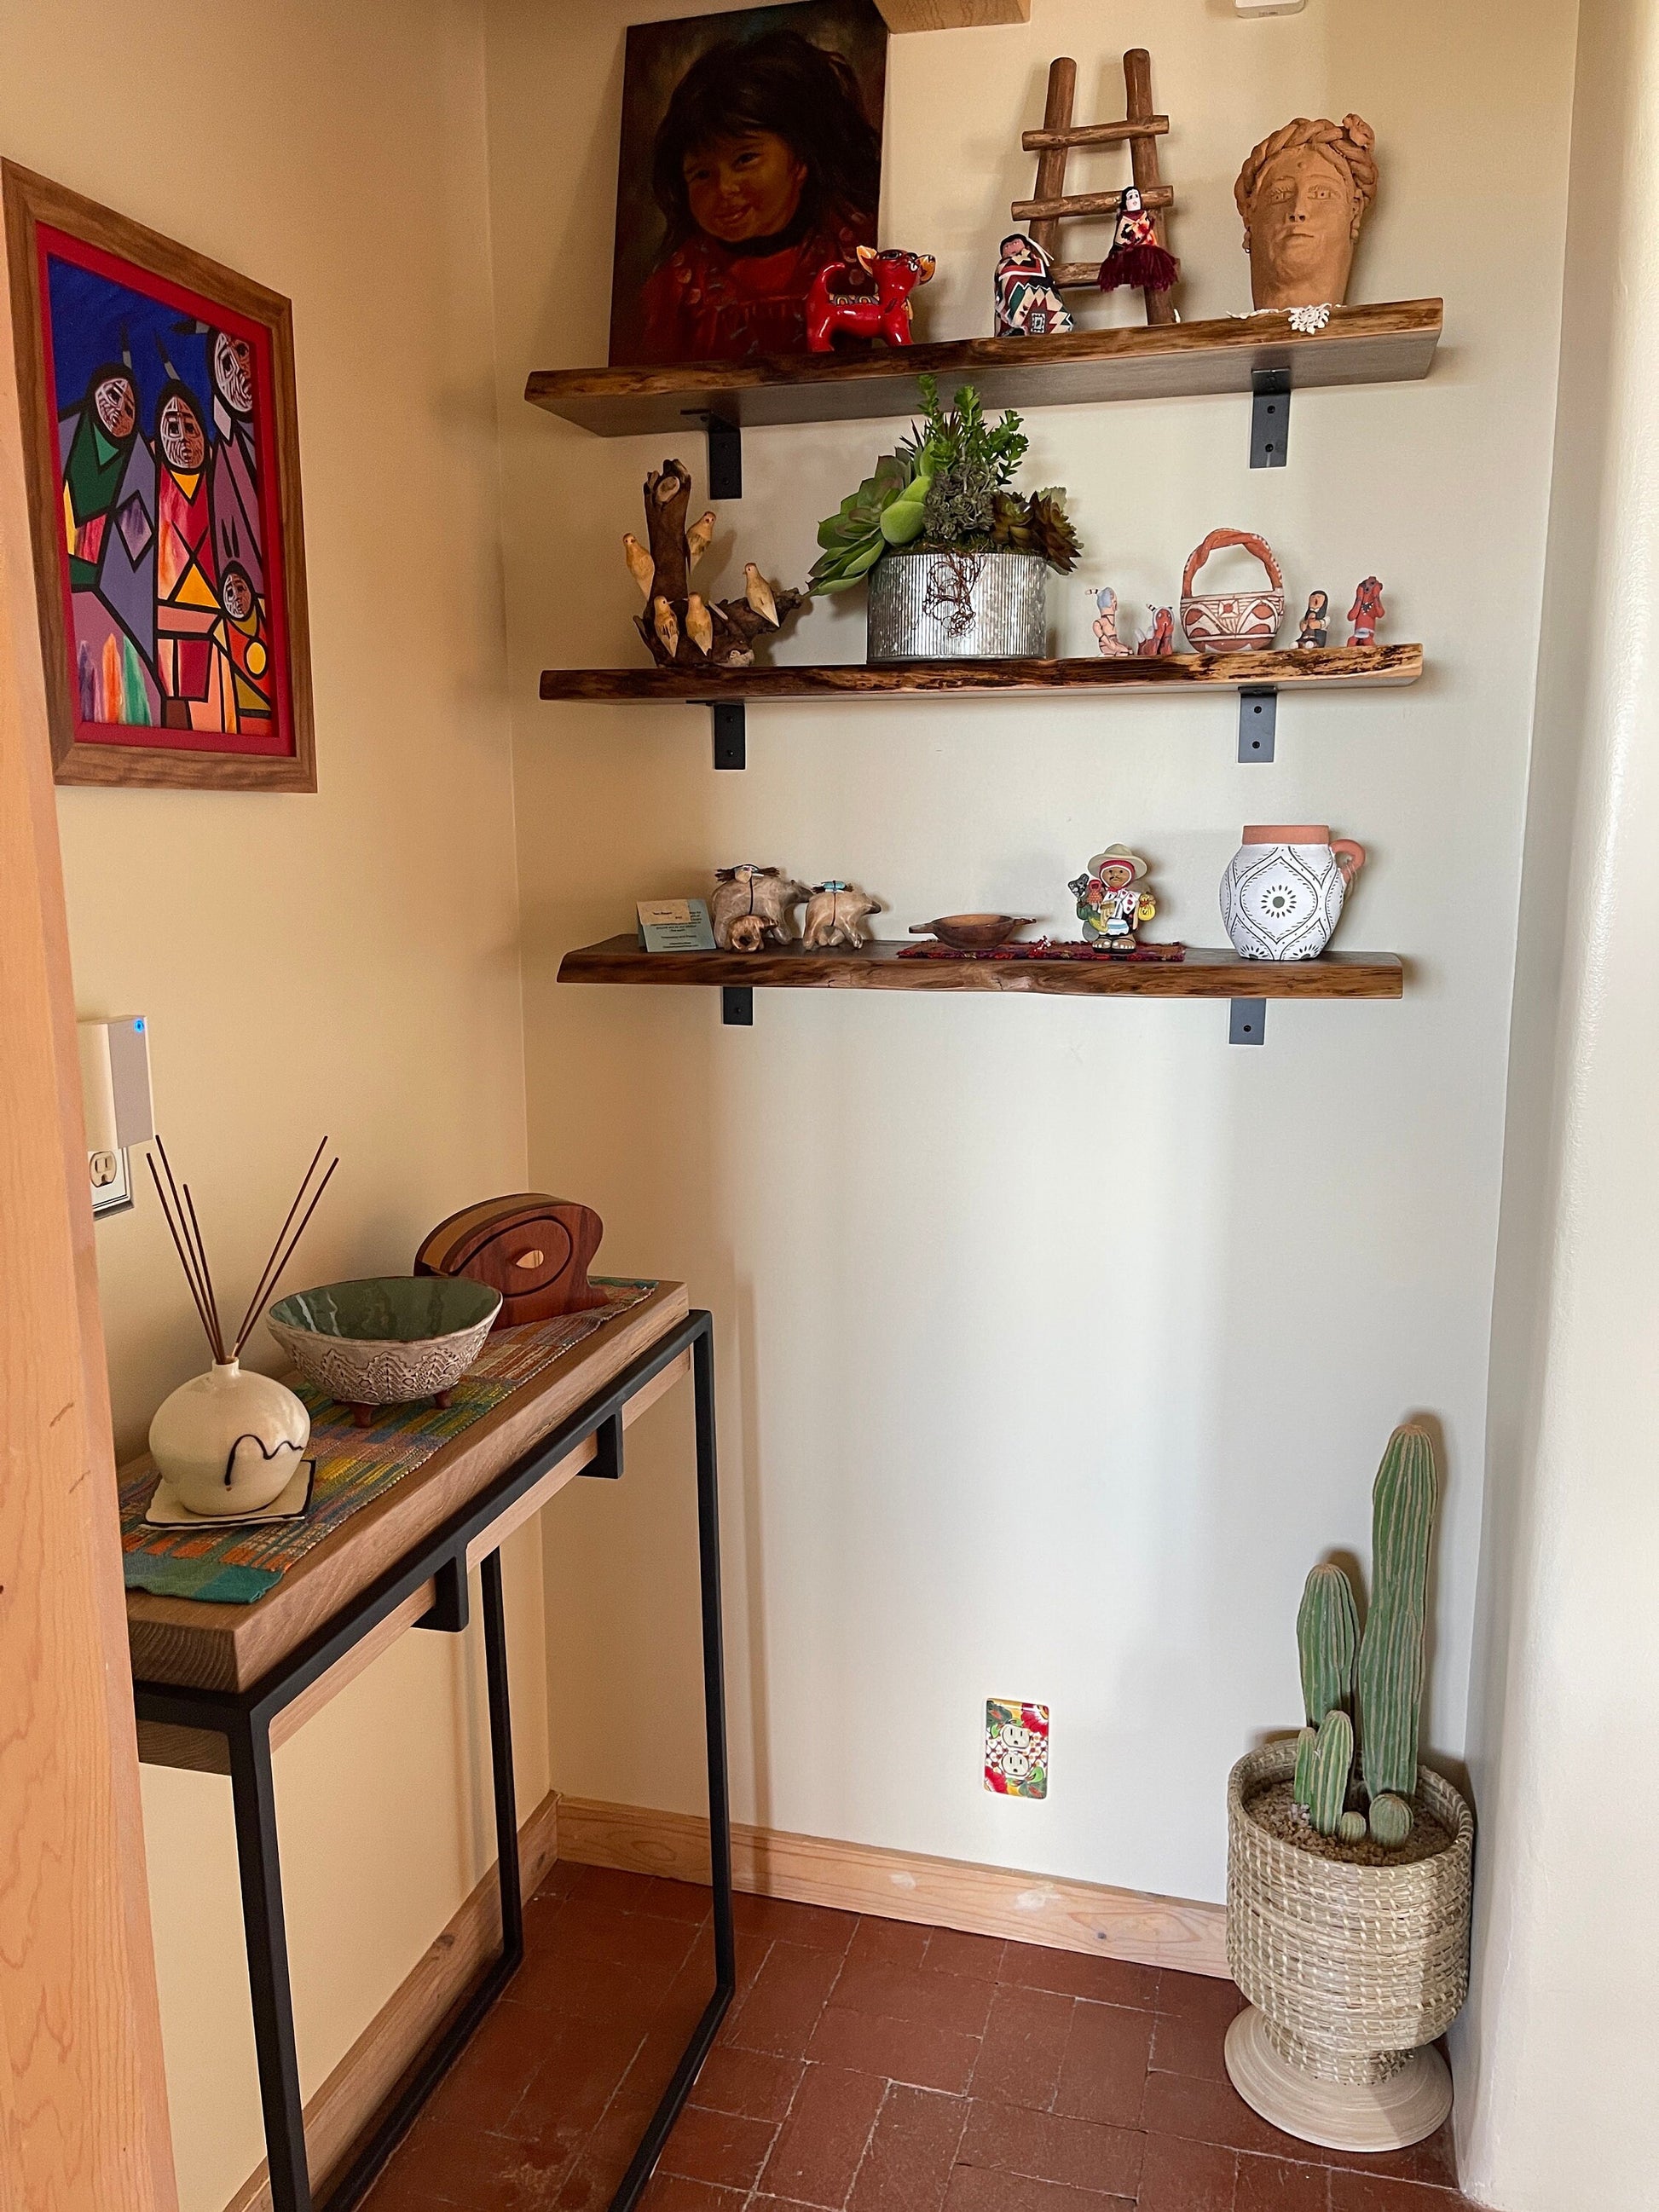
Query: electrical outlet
[[1015, 1748]]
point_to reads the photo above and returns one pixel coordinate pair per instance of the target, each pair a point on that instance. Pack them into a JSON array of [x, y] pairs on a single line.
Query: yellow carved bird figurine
[[697, 537], [699, 626], [759, 592], [641, 567], [667, 629]]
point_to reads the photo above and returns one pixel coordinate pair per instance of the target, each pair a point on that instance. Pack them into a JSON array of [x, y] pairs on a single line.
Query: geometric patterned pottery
[[387, 1339], [1232, 621], [229, 1440], [1282, 894]]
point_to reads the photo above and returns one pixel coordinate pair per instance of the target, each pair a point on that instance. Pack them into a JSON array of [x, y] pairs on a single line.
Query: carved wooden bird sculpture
[[641, 565], [699, 624], [697, 537], [759, 592], [667, 629]]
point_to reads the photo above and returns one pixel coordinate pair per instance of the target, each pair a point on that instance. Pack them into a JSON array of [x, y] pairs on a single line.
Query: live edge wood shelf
[[1177, 672], [1377, 344], [1204, 973]]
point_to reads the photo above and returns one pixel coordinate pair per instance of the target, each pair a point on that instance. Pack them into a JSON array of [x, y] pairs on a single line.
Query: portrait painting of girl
[[751, 157]]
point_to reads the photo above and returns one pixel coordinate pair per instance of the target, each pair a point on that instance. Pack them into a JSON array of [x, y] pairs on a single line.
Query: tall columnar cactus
[[1326, 1638], [1390, 1678], [1330, 1766]]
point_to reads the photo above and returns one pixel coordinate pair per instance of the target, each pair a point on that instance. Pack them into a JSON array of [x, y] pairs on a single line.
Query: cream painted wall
[[1056, 1338], [1556, 2049], [345, 962]]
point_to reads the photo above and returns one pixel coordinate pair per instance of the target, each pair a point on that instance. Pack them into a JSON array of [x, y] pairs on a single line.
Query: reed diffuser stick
[[207, 1276], [178, 1211], [187, 1249], [276, 1272], [262, 1287], [178, 1245]]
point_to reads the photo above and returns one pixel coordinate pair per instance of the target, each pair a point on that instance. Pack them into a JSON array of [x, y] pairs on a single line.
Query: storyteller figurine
[[1315, 628], [1160, 638], [1367, 612], [1111, 645], [1027, 304], [1108, 904]]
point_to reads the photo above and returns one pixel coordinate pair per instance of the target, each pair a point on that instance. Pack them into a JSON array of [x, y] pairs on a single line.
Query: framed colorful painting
[[156, 390]]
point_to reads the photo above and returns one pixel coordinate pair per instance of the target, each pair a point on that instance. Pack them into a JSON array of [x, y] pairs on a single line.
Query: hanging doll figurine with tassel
[[1136, 258]]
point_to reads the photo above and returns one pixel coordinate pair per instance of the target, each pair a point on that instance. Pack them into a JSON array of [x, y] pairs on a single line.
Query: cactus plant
[[1350, 1828], [1326, 1638], [1302, 1788], [1332, 1762], [1391, 1820], [1390, 1675]]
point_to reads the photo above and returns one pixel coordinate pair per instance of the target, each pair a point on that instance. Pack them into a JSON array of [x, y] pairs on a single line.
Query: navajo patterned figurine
[[1027, 304], [1136, 258], [1111, 645], [1366, 611], [1108, 905]]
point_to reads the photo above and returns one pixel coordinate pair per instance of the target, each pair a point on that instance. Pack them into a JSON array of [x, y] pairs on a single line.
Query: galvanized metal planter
[[958, 606]]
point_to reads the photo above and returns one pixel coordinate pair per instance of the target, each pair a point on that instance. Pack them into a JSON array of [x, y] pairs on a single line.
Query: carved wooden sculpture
[[835, 914], [682, 629], [751, 906]]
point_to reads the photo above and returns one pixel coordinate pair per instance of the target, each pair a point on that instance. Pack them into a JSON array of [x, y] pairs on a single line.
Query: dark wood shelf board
[[1205, 973], [1178, 671], [1385, 343]]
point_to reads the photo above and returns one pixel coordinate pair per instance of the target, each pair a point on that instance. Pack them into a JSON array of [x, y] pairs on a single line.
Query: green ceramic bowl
[[387, 1339]]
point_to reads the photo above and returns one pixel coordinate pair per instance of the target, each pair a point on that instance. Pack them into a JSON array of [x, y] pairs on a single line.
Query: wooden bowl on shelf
[[972, 932]]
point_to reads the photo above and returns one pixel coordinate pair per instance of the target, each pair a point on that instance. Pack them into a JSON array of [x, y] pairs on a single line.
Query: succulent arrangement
[[945, 489], [1363, 1695]]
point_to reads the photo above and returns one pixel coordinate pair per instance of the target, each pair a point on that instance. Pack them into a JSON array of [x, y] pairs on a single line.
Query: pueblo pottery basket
[[1232, 621], [1349, 1968], [958, 606]]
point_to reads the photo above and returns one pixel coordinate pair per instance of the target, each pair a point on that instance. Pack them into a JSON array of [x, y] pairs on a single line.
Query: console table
[[218, 1688]]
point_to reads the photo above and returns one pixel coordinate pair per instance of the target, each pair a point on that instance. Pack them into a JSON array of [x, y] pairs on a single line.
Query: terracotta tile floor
[[865, 2066]]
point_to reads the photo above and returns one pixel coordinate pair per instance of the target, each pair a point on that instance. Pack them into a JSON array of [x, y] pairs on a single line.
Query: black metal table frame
[[244, 1719]]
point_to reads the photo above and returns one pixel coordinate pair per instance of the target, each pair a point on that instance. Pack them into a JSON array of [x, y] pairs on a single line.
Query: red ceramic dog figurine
[[884, 313]]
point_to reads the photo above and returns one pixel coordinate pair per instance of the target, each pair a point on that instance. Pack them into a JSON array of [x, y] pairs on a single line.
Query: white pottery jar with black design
[[1281, 896], [958, 606], [230, 1441]]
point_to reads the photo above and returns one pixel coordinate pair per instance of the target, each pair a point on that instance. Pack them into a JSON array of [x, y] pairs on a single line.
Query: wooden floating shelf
[[1178, 671], [1379, 345], [1205, 973]]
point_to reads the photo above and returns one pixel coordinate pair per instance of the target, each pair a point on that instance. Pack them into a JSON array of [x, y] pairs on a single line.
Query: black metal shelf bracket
[[1247, 1021], [1270, 418], [1258, 716], [731, 731], [737, 1005], [451, 1606], [725, 453]]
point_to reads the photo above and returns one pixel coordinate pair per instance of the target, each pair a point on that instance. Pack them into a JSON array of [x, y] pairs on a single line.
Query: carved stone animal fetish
[[686, 628], [834, 912], [751, 906]]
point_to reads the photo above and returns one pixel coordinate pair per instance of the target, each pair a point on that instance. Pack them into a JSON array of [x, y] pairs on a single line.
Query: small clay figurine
[[1136, 258], [833, 304], [1027, 304], [1160, 638], [751, 906], [1108, 905], [1315, 628], [1303, 194], [1367, 612], [1106, 636], [834, 912]]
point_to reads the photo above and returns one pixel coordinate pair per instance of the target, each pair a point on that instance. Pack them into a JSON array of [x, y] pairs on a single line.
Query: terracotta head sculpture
[[1303, 193]]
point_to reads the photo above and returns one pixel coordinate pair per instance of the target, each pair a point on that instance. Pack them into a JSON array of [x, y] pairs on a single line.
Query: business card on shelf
[[674, 926]]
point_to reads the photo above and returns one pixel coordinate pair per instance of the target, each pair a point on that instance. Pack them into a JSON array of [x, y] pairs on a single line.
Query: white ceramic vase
[[1282, 895], [229, 1440]]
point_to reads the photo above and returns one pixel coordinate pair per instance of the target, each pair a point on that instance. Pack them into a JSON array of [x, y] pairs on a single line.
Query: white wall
[[1057, 1340], [345, 961], [1556, 2050]]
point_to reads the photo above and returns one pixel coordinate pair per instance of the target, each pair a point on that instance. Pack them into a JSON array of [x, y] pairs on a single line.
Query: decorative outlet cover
[[1015, 1748]]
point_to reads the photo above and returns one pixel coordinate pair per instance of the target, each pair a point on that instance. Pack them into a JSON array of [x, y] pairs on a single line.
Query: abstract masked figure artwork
[[169, 559]]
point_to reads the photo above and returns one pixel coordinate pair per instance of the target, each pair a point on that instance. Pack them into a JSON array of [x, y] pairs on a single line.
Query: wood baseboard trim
[[981, 1900], [339, 2111]]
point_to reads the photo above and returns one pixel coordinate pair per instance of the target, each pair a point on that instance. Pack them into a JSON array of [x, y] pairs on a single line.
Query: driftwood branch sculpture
[[682, 628]]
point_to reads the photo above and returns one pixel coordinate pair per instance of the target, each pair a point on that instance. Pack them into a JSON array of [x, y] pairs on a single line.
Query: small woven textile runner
[[234, 1566], [1042, 948]]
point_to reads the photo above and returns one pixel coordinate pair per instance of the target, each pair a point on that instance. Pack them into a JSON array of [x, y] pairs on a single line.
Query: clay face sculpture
[[1303, 194]]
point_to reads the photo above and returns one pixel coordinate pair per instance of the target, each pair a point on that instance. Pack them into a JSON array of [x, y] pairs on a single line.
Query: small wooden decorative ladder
[[1053, 204]]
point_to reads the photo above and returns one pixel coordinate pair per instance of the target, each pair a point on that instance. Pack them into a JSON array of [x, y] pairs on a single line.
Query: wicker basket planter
[[1350, 1971]]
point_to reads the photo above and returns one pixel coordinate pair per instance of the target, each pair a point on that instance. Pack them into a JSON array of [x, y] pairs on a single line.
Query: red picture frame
[[157, 391]]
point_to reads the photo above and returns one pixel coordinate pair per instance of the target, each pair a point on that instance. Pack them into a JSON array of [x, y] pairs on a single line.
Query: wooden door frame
[[83, 2115]]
